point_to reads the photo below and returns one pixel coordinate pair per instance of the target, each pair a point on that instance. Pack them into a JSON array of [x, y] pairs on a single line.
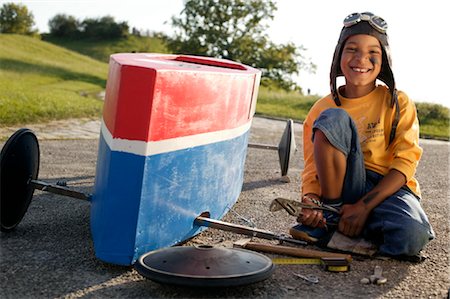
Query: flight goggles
[[376, 22]]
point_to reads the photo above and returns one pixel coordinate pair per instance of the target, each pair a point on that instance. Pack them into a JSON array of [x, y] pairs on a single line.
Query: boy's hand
[[353, 218], [312, 218]]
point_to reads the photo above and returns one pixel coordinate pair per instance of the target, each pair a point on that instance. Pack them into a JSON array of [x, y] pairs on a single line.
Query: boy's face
[[361, 61]]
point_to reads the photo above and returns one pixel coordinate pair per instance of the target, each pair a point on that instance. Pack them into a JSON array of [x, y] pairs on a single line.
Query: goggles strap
[[376, 22]]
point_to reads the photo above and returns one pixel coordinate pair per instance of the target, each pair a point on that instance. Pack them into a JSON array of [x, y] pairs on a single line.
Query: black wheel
[[204, 266], [19, 163], [286, 147]]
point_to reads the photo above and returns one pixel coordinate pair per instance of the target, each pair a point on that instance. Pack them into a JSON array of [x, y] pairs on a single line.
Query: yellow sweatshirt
[[373, 117]]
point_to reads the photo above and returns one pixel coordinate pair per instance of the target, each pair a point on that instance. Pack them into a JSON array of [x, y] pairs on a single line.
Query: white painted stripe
[[149, 148]]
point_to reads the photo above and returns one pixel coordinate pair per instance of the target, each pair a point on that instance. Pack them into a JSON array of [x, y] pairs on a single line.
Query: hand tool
[[329, 264], [294, 207], [296, 261], [310, 278], [291, 251], [204, 220], [377, 277], [333, 262]]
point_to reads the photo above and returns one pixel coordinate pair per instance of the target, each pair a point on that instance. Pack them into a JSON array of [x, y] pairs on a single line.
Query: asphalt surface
[[50, 254]]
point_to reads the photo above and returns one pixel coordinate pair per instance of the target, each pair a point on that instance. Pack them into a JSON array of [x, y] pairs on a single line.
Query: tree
[[104, 28], [235, 30], [62, 25], [15, 18]]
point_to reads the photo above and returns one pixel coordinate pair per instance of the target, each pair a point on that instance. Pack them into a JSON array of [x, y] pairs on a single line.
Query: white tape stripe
[[144, 148]]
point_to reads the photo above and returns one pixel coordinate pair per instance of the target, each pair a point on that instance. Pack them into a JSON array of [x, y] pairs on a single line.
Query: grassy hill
[[101, 49], [41, 81]]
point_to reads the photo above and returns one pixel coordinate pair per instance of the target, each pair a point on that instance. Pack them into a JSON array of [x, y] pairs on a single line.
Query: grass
[[102, 49], [435, 129], [40, 81], [434, 121], [284, 104]]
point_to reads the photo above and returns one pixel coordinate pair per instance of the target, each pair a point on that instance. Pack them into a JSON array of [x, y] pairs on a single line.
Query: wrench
[[310, 278], [377, 277], [293, 207]]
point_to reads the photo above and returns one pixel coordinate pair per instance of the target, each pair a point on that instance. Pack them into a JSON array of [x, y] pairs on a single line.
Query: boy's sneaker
[[316, 234], [307, 233]]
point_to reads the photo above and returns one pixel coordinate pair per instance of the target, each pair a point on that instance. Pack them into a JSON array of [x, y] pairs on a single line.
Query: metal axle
[[41, 185], [204, 220], [263, 146]]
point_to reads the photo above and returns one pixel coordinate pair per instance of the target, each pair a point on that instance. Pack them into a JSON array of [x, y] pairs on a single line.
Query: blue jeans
[[398, 225]]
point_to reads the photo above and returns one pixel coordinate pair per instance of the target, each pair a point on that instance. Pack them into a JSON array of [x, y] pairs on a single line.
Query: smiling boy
[[361, 150]]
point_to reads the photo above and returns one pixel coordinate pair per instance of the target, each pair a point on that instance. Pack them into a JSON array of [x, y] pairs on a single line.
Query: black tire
[[19, 163]]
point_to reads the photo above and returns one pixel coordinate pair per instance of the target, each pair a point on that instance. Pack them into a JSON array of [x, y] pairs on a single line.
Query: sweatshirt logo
[[373, 125], [373, 131]]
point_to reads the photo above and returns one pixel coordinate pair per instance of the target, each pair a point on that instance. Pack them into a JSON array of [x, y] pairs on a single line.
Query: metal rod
[[244, 230], [41, 185], [263, 146]]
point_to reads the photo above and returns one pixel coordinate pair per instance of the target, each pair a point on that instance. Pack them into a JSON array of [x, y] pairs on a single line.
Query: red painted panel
[[188, 104], [156, 97], [111, 95], [128, 101]]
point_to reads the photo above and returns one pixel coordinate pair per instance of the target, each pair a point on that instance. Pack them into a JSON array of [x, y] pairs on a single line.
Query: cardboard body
[[173, 144]]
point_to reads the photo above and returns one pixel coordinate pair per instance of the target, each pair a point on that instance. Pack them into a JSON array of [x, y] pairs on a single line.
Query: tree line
[[16, 18], [228, 29], [106, 27]]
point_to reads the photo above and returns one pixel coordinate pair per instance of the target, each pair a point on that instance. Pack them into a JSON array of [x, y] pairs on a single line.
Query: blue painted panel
[[180, 185], [145, 203], [115, 204]]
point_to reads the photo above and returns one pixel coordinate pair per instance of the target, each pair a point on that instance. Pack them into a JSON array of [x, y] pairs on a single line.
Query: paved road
[[50, 254]]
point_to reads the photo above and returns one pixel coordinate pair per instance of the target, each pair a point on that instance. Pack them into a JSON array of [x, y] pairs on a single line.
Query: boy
[[361, 150]]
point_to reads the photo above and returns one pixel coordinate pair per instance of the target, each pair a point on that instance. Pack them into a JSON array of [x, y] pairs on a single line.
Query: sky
[[418, 34]]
